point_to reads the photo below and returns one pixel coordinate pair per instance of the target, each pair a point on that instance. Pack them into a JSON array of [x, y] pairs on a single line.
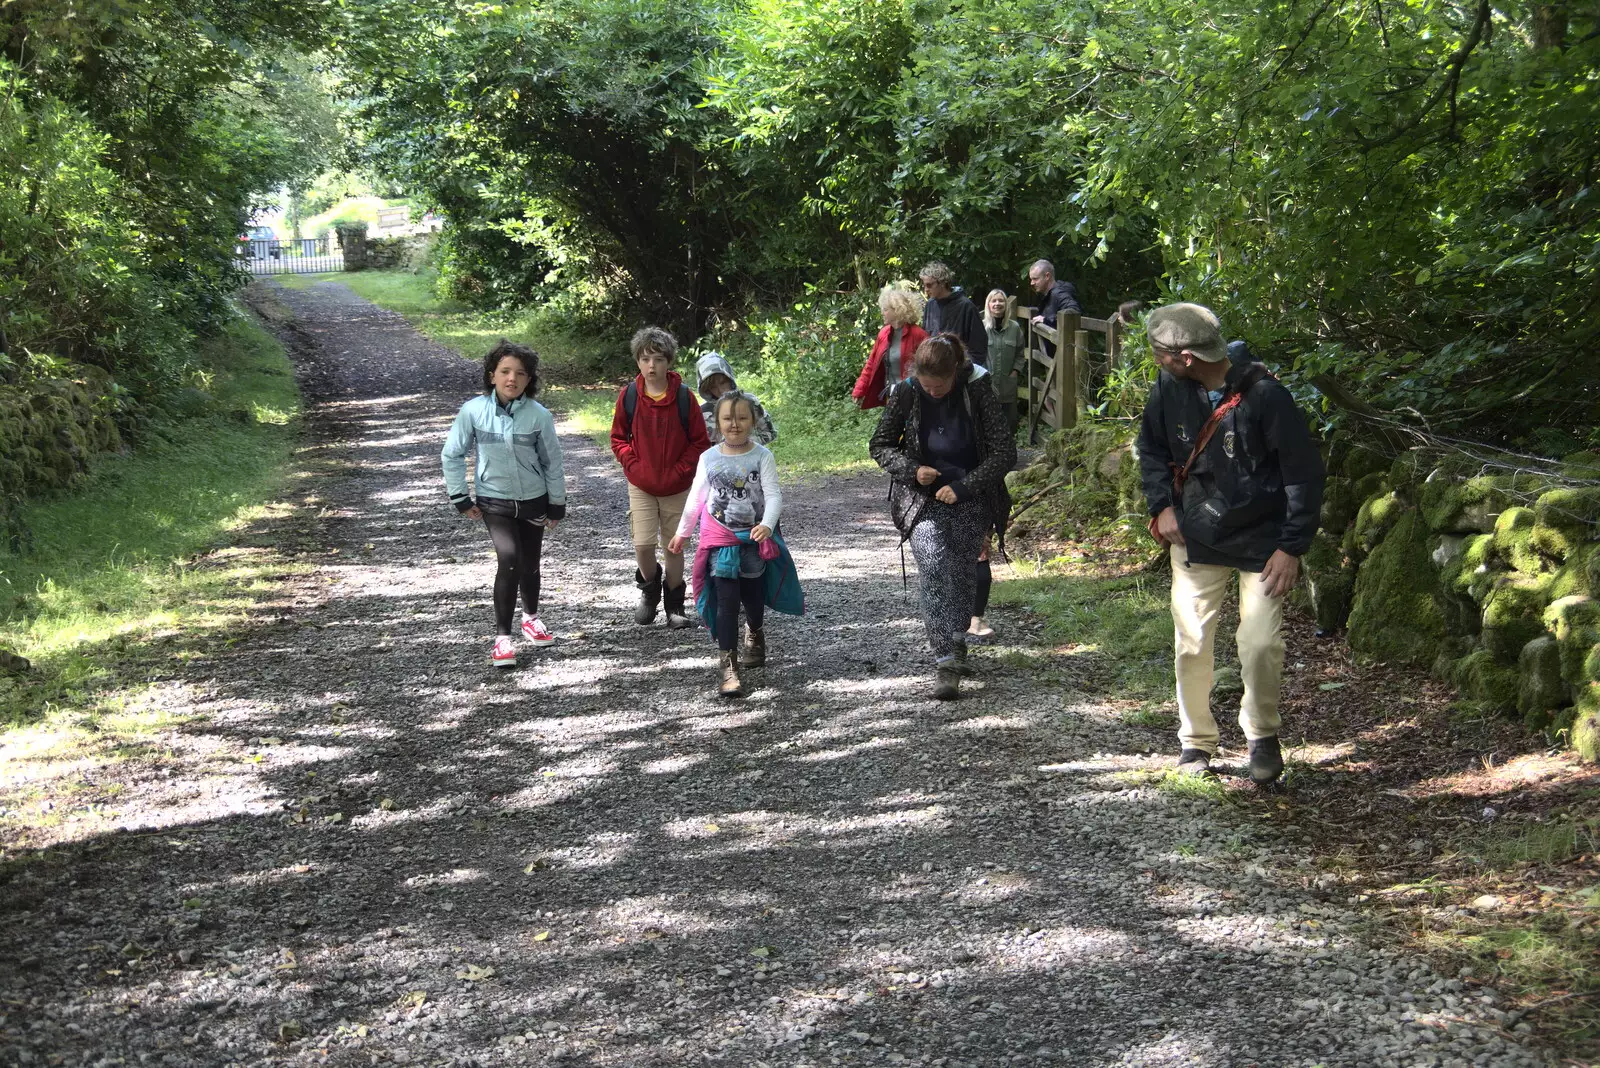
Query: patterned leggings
[[946, 542]]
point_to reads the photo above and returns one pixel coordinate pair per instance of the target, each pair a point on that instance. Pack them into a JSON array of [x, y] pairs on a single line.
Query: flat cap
[[1193, 327]]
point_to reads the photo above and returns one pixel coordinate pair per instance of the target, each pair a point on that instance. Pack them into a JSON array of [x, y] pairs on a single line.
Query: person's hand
[[1038, 319], [550, 525], [947, 494], [760, 532], [1167, 527], [1280, 573], [927, 476], [675, 546], [473, 513]]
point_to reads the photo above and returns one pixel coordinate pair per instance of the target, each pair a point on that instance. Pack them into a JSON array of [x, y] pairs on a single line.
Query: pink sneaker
[[537, 633], [505, 653]]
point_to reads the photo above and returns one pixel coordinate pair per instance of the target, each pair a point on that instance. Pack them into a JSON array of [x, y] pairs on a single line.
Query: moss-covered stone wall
[[50, 431], [1492, 580]]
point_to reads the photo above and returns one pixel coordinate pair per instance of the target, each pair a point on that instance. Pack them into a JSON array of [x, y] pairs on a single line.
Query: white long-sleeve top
[[738, 490]]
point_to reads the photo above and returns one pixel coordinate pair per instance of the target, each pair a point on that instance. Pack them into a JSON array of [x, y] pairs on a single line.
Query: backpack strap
[[630, 404], [685, 407]]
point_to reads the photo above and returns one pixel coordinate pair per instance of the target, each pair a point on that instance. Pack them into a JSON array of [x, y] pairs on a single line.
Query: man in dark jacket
[[1058, 296], [1249, 503], [949, 311]]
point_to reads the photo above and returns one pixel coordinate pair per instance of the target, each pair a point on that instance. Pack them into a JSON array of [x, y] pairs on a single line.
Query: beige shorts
[[654, 519]]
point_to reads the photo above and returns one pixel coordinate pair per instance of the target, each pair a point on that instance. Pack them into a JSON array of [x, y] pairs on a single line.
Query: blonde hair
[[900, 303], [1011, 306]]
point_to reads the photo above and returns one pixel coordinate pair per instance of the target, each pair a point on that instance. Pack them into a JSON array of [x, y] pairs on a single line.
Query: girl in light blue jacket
[[520, 482]]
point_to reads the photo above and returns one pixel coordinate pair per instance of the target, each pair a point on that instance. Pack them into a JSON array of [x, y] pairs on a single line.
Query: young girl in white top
[[736, 489]]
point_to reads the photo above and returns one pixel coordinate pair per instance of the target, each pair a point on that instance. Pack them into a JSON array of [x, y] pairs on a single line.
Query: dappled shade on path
[[396, 854]]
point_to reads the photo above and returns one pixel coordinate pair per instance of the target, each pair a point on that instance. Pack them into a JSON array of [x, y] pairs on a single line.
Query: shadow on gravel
[[395, 854]]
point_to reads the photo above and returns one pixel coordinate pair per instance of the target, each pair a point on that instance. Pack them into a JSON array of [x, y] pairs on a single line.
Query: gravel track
[[373, 848]]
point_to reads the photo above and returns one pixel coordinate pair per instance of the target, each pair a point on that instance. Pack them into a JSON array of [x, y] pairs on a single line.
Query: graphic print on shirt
[[736, 500]]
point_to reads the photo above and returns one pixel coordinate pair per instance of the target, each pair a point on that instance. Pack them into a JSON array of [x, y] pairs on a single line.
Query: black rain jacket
[[957, 315], [1257, 487], [896, 446]]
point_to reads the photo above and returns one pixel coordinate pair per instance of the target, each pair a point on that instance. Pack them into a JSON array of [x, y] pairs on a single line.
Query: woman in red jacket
[[890, 361]]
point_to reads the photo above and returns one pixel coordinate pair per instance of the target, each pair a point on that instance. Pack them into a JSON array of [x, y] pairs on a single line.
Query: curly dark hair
[[528, 358], [940, 356]]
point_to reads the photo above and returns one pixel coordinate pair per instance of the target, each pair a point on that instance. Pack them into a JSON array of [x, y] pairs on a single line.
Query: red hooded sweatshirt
[[658, 456]]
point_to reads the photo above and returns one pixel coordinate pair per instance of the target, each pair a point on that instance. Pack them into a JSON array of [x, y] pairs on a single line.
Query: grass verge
[[1114, 630], [121, 564]]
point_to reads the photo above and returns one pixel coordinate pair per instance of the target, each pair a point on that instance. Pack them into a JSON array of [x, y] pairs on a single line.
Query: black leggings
[[517, 543], [753, 592], [980, 599]]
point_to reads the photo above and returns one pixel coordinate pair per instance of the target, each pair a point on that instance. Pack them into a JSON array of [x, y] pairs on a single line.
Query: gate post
[[1067, 368], [353, 243]]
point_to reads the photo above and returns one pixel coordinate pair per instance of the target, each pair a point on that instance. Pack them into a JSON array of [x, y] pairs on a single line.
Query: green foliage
[[1395, 615], [137, 137], [1398, 198]]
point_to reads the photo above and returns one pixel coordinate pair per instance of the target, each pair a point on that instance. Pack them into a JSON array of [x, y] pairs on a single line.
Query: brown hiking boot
[[731, 684], [754, 653], [946, 682]]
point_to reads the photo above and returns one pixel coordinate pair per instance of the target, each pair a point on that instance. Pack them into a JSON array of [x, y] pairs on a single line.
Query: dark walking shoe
[[946, 682], [732, 685], [1266, 761], [962, 666], [1194, 762], [754, 653], [649, 597], [673, 596]]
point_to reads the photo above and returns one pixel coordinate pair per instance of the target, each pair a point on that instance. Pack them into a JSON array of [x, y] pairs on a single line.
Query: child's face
[[735, 420], [654, 366], [717, 385], [997, 307], [510, 379]]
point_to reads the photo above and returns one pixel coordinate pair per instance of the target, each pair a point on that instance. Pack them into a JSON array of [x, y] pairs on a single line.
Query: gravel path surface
[[374, 848]]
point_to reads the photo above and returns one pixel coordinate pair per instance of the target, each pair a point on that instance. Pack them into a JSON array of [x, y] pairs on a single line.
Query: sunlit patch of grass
[[586, 410], [1120, 626], [120, 561], [1149, 717]]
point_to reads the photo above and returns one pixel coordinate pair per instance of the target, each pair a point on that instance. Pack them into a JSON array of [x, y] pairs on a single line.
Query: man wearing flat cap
[[1239, 491]]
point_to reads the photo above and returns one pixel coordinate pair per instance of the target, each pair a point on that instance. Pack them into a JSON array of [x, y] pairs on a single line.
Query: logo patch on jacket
[[1227, 444], [1183, 433]]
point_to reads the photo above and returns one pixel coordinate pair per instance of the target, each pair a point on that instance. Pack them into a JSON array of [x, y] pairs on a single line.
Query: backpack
[[630, 403]]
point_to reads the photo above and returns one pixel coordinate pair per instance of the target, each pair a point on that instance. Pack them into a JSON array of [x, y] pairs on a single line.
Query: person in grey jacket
[[714, 377], [520, 483]]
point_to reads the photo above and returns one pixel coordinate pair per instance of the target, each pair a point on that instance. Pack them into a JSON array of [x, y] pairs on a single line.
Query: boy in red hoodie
[[657, 435]]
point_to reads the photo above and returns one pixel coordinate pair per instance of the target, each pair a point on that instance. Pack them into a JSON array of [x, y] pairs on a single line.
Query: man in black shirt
[[1058, 296], [1247, 501], [949, 311]]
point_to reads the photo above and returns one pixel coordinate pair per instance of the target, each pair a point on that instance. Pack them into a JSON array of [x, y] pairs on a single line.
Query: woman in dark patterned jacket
[[946, 443]]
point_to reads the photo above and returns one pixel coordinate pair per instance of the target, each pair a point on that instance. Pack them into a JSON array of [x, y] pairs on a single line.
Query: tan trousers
[[1197, 591]]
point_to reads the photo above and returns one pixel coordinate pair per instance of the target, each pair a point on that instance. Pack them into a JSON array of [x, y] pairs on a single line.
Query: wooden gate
[[1057, 377]]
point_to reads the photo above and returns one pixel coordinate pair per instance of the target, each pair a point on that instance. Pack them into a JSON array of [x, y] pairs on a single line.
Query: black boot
[[673, 595], [1266, 761], [649, 597]]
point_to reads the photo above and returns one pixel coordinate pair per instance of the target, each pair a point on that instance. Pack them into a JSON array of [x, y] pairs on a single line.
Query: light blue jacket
[[519, 455]]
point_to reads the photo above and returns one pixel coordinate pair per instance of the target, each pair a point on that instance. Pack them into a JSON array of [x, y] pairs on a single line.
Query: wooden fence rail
[[1056, 386]]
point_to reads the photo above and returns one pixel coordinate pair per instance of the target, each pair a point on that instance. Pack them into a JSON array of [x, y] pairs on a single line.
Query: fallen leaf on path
[[713, 828], [542, 936], [761, 951], [387, 804], [1331, 686]]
